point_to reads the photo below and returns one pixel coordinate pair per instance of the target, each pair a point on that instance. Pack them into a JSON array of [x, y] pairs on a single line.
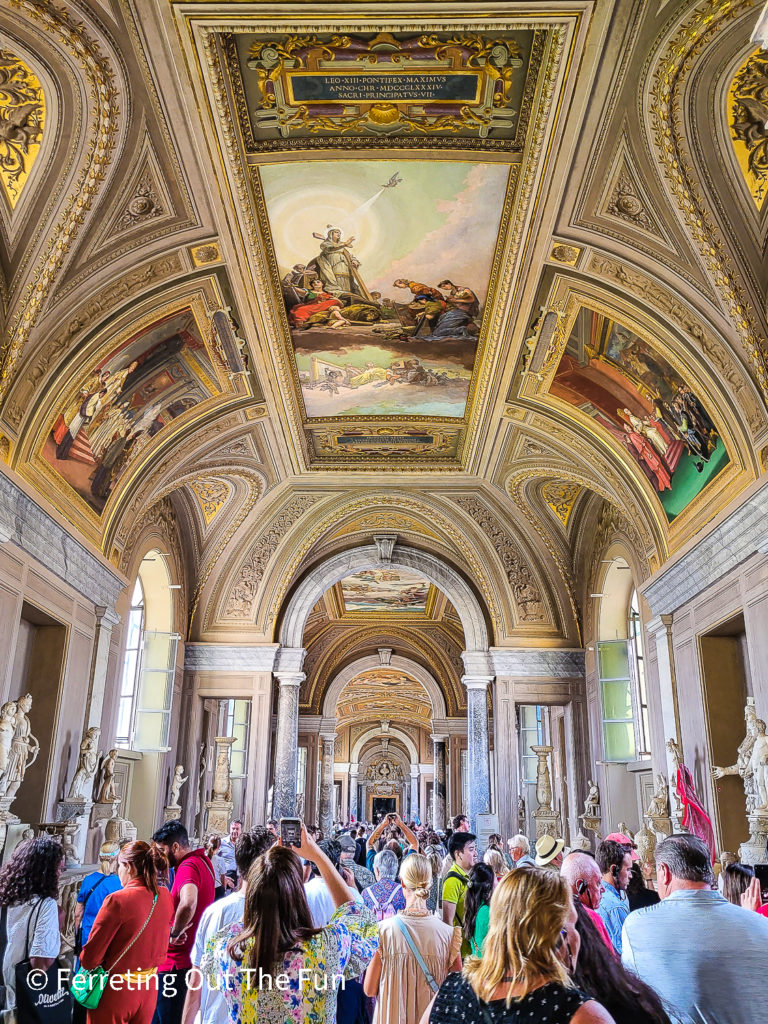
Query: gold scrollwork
[[22, 120]]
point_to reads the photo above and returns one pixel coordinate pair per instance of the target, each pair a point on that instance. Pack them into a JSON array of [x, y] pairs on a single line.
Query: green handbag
[[88, 985]]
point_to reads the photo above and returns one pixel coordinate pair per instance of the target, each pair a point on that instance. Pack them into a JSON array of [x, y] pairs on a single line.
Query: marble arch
[[376, 732], [476, 658], [407, 665], [368, 556]]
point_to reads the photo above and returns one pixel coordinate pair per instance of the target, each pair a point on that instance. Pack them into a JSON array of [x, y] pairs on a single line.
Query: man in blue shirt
[[615, 863], [705, 957]]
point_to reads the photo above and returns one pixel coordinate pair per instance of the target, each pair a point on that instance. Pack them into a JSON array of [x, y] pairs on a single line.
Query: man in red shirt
[[193, 887]]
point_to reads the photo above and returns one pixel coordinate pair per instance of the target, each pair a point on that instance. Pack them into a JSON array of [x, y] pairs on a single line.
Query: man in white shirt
[[210, 1002], [227, 853]]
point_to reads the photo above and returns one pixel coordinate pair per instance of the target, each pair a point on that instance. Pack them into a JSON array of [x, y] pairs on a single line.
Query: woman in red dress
[[317, 301], [140, 915]]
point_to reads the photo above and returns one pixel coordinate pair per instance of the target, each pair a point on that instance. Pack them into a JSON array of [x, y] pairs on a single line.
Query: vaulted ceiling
[[490, 277]]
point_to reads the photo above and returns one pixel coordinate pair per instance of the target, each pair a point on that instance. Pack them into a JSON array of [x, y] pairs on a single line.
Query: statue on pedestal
[[659, 805], [7, 729], [23, 751], [81, 787], [592, 803], [752, 767], [178, 780], [108, 793]]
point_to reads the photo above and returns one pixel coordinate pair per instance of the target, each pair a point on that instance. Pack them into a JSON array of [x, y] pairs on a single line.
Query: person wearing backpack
[[462, 847], [94, 889], [385, 897], [416, 951]]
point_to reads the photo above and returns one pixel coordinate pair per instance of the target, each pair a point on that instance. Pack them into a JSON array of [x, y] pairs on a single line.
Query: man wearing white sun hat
[[549, 852]]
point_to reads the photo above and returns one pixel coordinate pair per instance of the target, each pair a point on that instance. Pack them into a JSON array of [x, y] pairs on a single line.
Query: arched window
[[129, 682], [149, 665], [623, 693]]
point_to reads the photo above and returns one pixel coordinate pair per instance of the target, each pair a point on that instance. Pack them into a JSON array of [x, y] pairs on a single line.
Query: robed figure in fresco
[[337, 268]]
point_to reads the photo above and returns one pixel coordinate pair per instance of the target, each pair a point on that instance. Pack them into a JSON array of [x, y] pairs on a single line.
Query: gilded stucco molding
[[666, 85], [43, 362], [103, 129]]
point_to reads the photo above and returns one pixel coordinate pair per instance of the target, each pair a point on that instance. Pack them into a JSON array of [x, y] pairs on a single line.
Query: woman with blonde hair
[[532, 944], [495, 862], [416, 951]]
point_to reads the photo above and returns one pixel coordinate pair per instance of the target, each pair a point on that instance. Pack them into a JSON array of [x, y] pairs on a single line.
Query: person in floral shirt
[[275, 967]]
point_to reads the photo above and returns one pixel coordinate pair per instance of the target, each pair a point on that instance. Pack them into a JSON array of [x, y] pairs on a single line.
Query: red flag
[[695, 818]]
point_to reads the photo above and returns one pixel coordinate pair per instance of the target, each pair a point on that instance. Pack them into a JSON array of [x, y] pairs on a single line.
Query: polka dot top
[[456, 1003]]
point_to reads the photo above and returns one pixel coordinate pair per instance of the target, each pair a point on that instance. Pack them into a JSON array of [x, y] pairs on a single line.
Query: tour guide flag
[[695, 818]]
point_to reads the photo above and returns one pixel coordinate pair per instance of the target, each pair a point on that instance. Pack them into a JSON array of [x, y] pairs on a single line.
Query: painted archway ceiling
[[259, 266], [384, 694]]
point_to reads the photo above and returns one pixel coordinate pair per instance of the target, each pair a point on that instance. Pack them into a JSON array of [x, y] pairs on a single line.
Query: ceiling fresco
[[384, 270], [125, 400], [634, 394], [384, 694], [385, 590]]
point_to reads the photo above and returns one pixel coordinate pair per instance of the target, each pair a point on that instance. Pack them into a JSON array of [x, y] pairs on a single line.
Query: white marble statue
[[750, 765], [659, 805], [23, 752], [7, 729], [82, 784], [592, 803], [108, 793], [178, 780]]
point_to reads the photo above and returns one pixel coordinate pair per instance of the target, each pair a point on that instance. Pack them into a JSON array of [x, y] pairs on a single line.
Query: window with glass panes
[[531, 735], [613, 662], [235, 721], [640, 689], [129, 681]]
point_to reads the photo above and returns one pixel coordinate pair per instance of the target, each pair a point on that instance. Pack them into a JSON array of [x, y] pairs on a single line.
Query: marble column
[[438, 790], [289, 677], [326, 786], [353, 804], [363, 801], [478, 747], [106, 620], [414, 810]]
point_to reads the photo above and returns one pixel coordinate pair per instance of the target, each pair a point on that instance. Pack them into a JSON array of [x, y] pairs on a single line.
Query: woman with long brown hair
[[523, 975], [129, 937], [278, 968]]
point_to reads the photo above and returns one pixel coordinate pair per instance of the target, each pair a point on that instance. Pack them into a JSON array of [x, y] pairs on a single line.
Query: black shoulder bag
[[40, 999]]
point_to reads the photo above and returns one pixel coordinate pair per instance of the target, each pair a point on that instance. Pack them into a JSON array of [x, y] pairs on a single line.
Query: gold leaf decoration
[[212, 495], [561, 496], [22, 120], [748, 114]]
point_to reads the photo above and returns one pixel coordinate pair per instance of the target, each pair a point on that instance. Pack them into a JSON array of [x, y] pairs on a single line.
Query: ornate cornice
[[531, 663], [27, 525], [230, 657]]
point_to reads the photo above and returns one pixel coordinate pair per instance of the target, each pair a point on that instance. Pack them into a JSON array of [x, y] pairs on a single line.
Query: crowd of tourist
[[396, 924]]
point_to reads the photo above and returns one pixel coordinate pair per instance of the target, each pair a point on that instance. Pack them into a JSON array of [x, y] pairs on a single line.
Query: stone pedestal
[[78, 812], [547, 821], [592, 824], [171, 812], [753, 851], [220, 805]]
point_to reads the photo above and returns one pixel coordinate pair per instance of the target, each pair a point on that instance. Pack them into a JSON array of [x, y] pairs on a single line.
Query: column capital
[[289, 659], [286, 679], [415, 771], [105, 616], [354, 769], [439, 737], [477, 682], [478, 663]]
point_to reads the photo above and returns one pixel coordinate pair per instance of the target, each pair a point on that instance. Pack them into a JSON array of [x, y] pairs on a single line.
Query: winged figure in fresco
[[393, 181]]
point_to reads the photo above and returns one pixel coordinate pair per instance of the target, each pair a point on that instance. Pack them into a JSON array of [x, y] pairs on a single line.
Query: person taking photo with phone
[[276, 965]]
